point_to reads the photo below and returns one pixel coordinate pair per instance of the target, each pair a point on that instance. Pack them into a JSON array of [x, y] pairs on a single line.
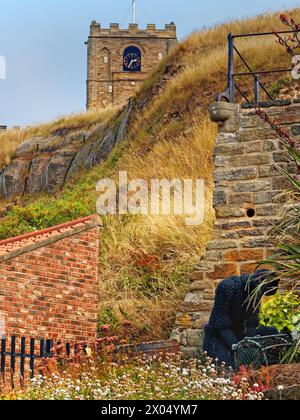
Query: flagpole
[[133, 11]]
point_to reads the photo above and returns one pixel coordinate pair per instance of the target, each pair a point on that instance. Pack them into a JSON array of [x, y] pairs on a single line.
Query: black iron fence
[[232, 85], [21, 358]]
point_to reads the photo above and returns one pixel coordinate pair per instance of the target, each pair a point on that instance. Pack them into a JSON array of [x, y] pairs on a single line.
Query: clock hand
[[133, 61]]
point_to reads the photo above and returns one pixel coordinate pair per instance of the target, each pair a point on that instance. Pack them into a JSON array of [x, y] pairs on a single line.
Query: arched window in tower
[[132, 59]]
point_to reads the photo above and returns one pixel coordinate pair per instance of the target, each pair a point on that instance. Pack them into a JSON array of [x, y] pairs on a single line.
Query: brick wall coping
[[13, 247]]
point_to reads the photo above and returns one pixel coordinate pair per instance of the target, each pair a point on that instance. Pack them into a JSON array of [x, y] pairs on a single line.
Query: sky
[[43, 42]]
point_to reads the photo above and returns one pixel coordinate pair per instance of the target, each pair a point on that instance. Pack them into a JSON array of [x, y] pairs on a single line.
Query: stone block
[[236, 174], [270, 145], [244, 255], [222, 184], [209, 295], [250, 268], [270, 222], [262, 242], [220, 198], [223, 271], [230, 149], [243, 198], [195, 338], [264, 197], [236, 225], [267, 210], [195, 297], [261, 133], [238, 234], [197, 276], [214, 256], [217, 245], [58, 168], [254, 186], [280, 183], [254, 147], [280, 157], [241, 161], [226, 138], [270, 252], [249, 121], [201, 286], [292, 168], [226, 212], [204, 266], [268, 171]]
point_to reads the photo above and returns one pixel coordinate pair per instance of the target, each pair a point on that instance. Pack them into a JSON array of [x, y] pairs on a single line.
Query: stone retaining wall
[[247, 203]]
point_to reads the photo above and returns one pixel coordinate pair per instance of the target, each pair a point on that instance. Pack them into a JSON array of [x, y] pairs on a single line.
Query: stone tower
[[119, 60]]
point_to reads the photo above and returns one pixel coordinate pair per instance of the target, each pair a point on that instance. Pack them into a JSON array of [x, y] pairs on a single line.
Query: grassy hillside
[[146, 261]]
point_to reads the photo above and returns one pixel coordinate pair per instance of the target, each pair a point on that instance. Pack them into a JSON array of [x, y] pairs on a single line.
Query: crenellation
[[170, 30], [151, 27], [114, 28]]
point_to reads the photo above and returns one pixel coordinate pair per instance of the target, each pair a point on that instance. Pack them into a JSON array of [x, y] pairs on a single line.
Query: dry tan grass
[[149, 296], [9, 141]]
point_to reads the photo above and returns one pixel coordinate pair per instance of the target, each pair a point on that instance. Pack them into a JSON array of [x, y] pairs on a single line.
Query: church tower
[[119, 60]]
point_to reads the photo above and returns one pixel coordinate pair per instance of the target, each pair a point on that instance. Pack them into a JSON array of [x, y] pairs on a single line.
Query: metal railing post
[[231, 67], [256, 88]]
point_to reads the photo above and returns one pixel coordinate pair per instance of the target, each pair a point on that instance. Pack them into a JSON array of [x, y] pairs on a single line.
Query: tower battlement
[[150, 31]]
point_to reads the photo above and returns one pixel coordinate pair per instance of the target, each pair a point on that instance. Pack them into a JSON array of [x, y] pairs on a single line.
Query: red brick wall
[[52, 292]]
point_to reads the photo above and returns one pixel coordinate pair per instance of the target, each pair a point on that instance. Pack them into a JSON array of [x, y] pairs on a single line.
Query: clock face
[[132, 62]]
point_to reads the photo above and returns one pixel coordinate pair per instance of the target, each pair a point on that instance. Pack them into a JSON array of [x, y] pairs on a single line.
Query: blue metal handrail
[[232, 86]]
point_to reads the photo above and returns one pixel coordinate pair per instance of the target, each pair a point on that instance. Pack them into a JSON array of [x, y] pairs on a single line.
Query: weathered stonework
[[247, 205], [107, 83]]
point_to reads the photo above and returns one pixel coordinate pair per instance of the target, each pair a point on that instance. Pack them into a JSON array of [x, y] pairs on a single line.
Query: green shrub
[[281, 311]]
